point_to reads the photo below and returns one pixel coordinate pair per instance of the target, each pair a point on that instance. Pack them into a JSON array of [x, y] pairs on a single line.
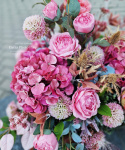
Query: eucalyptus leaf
[[76, 126], [104, 110], [47, 131], [76, 138], [74, 8], [65, 131], [58, 15], [80, 147], [101, 42], [37, 130]]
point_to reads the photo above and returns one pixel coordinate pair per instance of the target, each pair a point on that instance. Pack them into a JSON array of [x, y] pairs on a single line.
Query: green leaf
[[37, 131], [58, 130], [13, 134], [47, 131], [74, 8], [101, 42], [66, 24], [70, 118], [47, 1], [48, 20], [104, 110], [5, 120], [38, 4], [58, 15]]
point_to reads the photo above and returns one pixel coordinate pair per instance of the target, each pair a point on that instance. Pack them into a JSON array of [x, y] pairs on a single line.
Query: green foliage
[[5, 120], [58, 15], [47, 131], [70, 118], [101, 42], [67, 22], [104, 110], [13, 134], [59, 129], [37, 131], [47, 1], [73, 8]]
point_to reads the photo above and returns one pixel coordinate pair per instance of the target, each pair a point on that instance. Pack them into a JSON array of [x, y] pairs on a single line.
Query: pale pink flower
[[34, 27], [61, 109], [96, 141], [117, 117], [63, 46], [84, 23], [46, 141], [85, 103], [11, 109], [50, 10]]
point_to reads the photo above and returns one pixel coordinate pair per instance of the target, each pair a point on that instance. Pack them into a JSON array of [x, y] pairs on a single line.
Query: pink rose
[[48, 142], [85, 103], [85, 6], [84, 23], [62, 45], [50, 10]]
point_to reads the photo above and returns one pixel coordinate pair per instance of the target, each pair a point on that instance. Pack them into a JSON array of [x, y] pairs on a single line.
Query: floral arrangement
[[70, 85]]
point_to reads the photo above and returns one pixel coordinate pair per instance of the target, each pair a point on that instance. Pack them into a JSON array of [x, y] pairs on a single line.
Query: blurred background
[[12, 39]]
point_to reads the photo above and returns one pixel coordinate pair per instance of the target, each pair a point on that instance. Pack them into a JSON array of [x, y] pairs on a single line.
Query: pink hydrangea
[[48, 142], [116, 57], [63, 45], [117, 117], [85, 103], [84, 23], [96, 141], [39, 80], [50, 10], [34, 27]]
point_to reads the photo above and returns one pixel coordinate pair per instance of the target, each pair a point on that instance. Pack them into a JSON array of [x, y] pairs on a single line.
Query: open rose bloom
[[70, 84]]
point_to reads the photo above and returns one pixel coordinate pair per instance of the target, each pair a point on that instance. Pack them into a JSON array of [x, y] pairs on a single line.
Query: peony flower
[[48, 142], [34, 27], [61, 109], [97, 55], [85, 6], [63, 46], [84, 23], [39, 79], [85, 103], [50, 10], [11, 109], [96, 141], [117, 117]]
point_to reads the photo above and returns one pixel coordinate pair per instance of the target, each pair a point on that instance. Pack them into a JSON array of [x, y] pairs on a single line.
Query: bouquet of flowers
[[70, 85]]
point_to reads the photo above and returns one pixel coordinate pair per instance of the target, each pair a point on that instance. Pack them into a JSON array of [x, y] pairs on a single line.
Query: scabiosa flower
[[34, 27], [61, 109], [96, 141], [97, 55], [117, 117]]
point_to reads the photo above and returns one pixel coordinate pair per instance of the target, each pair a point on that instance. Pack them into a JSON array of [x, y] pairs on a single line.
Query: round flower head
[[96, 141], [34, 27], [84, 23], [117, 117], [97, 55], [61, 109]]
